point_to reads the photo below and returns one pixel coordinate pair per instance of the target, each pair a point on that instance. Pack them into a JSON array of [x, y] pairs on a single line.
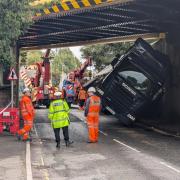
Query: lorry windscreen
[[136, 79]]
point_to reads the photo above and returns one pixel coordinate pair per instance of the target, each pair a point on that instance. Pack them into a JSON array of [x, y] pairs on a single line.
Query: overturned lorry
[[133, 82]]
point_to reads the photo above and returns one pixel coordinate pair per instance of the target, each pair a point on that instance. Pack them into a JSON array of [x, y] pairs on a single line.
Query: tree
[[62, 60], [103, 54], [41, 4], [30, 57], [15, 18], [65, 61], [34, 56]]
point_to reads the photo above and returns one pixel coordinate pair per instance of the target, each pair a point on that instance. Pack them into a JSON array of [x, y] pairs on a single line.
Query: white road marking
[[42, 161], [174, 169], [83, 121], [45, 172], [103, 133], [126, 145], [28, 162], [46, 175], [35, 131]]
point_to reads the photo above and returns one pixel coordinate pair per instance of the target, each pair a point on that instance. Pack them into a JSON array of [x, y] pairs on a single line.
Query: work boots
[[58, 145], [25, 140], [68, 143], [18, 137]]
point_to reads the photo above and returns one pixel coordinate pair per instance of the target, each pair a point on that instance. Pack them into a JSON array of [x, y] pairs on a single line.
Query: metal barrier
[[9, 120]]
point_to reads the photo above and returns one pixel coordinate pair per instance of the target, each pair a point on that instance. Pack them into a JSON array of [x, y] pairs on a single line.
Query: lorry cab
[[136, 80]]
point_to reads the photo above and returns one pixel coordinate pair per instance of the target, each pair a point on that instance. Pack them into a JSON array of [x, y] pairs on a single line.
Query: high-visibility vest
[[59, 113], [26, 108], [94, 106], [82, 94]]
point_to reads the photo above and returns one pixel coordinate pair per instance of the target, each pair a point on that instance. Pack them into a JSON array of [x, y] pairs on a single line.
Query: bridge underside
[[102, 23]]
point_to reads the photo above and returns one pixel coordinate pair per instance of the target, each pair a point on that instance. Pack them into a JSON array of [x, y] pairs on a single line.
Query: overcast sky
[[76, 51]]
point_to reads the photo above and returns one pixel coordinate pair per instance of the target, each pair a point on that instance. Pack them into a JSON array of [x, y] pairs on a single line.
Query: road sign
[[12, 75]]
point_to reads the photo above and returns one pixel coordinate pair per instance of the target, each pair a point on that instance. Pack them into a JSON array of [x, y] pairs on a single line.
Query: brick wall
[[5, 96], [1, 75]]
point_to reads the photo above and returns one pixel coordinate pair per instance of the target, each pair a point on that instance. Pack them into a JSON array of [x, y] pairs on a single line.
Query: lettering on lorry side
[[100, 91], [110, 110], [131, 117], [129, 89]]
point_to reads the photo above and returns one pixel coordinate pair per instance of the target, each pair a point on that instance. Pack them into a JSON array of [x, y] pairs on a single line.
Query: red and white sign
[[12, 75]]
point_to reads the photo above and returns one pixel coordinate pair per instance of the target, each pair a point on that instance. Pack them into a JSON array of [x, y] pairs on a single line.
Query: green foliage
[[46, 4], [23, 57], [65, 61], [34, 56], [30, 57], [62, 59], [15, 16], [103, 54]]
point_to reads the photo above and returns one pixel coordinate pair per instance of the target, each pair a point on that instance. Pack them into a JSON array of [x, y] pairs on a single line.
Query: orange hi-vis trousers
[[24, 132], [93, 128]]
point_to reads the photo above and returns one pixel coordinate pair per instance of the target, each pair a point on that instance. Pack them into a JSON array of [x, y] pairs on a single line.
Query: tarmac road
[[121, 154]]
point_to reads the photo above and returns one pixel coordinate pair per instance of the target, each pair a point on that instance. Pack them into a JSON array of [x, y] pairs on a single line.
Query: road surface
[[121, 154]]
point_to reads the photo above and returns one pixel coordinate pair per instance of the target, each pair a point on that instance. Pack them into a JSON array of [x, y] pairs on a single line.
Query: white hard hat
[[92, 89], [57, 93], [26, 90]]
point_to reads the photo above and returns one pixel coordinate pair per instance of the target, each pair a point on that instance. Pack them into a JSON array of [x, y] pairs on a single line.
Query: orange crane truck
[[37, 77], [72, 84]]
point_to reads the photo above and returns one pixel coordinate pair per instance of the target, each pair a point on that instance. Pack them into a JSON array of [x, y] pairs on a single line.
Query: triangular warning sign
[[12, 75]]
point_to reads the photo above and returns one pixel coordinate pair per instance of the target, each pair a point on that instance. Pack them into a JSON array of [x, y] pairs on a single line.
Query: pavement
[[12, 158]]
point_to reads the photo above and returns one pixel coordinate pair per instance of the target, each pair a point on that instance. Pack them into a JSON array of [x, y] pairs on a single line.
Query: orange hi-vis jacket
[[94, 106], [82, 94], [27, 109]]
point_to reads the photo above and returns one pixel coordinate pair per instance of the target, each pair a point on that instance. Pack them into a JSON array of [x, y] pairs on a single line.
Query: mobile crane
[[72, 84], [37, 78]]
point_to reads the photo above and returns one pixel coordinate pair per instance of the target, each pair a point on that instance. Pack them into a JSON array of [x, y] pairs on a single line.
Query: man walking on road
[[27, 112], [81, 98], [59, 116], [92, 109]]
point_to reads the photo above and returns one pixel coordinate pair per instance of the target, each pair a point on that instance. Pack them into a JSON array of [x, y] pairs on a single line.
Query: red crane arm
[[79, 72], [47, 53], [46, 64]]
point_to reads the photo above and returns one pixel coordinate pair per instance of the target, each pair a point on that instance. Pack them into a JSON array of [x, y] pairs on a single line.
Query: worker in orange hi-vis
[[27, 112], [92, 109], [82, 98]]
